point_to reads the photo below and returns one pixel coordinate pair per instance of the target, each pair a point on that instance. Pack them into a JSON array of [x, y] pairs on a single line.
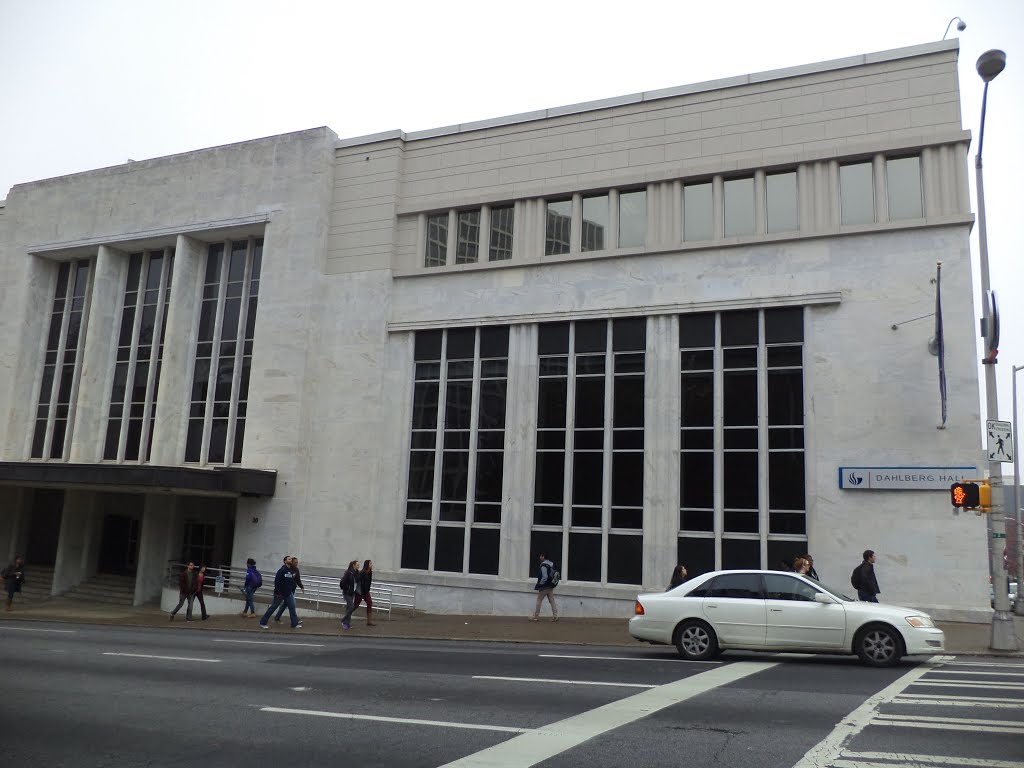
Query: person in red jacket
[[188, 586]]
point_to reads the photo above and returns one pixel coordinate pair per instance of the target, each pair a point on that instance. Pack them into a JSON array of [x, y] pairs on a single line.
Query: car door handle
[[776, 610], [711, 606]]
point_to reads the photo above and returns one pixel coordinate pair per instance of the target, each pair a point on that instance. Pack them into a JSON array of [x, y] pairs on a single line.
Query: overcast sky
[[91, 84]]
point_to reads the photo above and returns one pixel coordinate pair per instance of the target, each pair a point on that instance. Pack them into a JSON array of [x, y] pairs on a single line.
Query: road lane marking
[[563, 682], [901, 758], [269, 642], [402, 720], [972, 684], [999, 665], [829, 749], [945, 697], [1014, 729], [970, 672], [622, 658], [941, 701], [884, 717], [164, 658], [33, 629], [536, 746]]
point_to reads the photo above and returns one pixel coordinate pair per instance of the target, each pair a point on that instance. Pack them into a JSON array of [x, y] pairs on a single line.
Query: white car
[[779, 611]]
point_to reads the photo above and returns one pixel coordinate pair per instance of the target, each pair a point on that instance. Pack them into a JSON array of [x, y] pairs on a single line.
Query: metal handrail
[[318, 590]]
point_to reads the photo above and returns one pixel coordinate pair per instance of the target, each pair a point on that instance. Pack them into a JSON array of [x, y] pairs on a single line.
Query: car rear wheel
[[696, 641], [878, 646]]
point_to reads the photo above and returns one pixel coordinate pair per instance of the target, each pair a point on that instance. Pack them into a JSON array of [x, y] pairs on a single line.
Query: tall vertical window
[[558, 227], [467, 244], [227, 323], [903, 184], [633, 218], [502, 225], [742, 379], [856, 193], [437, 241], [782, 204], [698, 212], [456, 458], [63, 361], [595, 222], [739, 207], [139, 354], [588, 489]]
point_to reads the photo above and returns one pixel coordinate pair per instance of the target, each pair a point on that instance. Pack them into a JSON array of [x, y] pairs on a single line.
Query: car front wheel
[[696, 641], [878, 646]]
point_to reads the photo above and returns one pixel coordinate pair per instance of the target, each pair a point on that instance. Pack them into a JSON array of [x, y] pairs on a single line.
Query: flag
[[939, 343]]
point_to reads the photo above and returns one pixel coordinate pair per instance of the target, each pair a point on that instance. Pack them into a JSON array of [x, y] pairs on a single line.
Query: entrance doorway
[[44, 529], [119, 550]]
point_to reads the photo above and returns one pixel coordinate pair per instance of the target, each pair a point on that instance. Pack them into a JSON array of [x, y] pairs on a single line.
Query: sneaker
[[533, 618], [554, 618], [264, 626], [297, 626], [277, 621], [346, 626]]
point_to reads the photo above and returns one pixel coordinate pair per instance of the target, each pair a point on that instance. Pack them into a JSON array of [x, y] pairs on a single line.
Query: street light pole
[[1018, 555], [990, 64]]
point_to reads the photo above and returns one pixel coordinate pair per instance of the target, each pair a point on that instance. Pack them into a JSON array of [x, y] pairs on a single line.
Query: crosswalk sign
[[1000, 440]]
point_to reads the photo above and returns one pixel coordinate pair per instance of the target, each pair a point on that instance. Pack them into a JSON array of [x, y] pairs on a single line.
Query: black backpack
[[855, 577]]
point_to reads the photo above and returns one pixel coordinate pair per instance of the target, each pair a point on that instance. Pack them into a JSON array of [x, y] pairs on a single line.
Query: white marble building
[[631, 332]]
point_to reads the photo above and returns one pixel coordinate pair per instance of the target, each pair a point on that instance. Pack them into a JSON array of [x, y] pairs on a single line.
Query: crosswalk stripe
[[971, 684], [952, 727], [971, 672], [940, 702], [905, 759], [945, 697], [953, 720]]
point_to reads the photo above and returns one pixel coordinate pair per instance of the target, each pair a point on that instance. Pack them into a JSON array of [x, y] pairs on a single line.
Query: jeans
[[289, 603], [181, 601], [350, 605], [866, 597], [202, 603], [250, 606]]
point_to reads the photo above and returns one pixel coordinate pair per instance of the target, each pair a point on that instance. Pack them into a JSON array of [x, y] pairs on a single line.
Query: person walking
[[365, 579], [13, 577], [253, 581], [801, 566], [810, 568], [293, 563], [188, 585], [284, 588], [200, 577], [545, 587], [864, 580], [678, 577], [348, 585]]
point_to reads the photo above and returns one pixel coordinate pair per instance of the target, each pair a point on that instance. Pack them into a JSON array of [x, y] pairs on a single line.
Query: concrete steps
[[38, 583], [105, 588]]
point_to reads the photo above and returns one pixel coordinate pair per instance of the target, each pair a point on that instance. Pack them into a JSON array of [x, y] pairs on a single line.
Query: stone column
[[69, 567], [171, 420], [98, 357], [156, 544], [520, 450]]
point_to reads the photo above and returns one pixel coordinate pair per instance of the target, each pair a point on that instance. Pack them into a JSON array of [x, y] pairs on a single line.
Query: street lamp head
[[990, 64], [960, 25]]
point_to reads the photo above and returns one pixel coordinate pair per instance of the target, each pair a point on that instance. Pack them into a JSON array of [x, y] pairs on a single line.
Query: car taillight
[[638, 609]]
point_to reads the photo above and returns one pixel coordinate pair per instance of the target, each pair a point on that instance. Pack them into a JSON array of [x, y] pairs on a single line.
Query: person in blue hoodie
[[253, 581], [284, 592]]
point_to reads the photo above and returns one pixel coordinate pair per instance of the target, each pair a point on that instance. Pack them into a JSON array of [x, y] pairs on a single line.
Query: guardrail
[[319, 591]]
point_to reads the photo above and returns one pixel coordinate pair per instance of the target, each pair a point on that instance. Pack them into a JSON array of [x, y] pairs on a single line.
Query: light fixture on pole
[[960, 25], [989, 65], [1018, 555]]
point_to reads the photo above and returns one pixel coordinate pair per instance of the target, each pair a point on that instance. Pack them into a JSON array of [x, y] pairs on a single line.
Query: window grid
[[62, 361], [558, 227], [467, 245], [502, 226], [454, 496], [436, 254], [742, 494], [137, 369], [220, 383]]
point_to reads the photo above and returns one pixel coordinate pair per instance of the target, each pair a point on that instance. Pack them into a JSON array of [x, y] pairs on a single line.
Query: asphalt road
[[84, 696]]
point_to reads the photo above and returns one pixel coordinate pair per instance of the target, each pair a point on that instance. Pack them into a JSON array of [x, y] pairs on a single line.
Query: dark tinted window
[[781, 587], [737, 585]]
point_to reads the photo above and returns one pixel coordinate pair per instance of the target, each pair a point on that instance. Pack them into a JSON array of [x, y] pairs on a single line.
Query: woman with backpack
[[253, 581]]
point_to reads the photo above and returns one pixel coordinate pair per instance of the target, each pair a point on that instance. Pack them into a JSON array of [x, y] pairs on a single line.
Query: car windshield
[[837, 593]]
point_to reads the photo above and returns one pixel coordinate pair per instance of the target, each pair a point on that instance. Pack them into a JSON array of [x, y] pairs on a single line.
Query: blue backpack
[[257, 580]]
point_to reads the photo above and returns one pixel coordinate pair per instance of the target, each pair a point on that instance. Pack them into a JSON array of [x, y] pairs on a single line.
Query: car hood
[[882, 610]]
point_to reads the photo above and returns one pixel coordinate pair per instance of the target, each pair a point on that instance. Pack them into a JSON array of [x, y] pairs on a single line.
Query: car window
[[737, 585], [781, 587], [704, 590]]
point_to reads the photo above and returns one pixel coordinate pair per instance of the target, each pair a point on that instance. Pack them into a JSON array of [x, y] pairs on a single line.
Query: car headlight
[[921, 622]]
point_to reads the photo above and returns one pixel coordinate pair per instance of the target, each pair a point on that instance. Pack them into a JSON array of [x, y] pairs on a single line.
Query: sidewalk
[[960, 638]]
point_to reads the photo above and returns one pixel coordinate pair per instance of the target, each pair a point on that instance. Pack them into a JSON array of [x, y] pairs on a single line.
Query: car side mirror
[[821, 597]]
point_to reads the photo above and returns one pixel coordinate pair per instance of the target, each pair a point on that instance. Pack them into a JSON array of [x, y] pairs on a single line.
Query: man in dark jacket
[[284, 592], [864, 580], [14, 577], [292, 562], [348, 585], [545, 587], [188, 586]]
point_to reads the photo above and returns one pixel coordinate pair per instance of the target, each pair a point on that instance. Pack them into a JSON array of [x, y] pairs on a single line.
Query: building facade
[[629, 333]]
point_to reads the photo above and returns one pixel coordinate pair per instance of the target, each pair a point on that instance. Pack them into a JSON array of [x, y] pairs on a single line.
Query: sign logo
[[855, 478], [903, 478]]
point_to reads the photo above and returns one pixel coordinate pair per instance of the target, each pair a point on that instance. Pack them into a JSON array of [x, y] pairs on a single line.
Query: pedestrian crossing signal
[[965, 495]]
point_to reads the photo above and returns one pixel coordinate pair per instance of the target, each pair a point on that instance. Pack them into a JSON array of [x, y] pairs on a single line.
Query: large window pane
[[584, 557], [903, 184], [595, 222], [856, 194], [437, 241], [502, 225], [782, 203], [739, 207], [698, 213], [625, 559], [632, 218], [558, 227], [467, 244]]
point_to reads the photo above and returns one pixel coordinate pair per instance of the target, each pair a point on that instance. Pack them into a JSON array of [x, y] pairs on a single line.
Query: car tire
[[696, 641], [878, 645]]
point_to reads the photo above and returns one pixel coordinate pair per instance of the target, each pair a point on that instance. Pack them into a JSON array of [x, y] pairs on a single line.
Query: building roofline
[[893, 54]]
